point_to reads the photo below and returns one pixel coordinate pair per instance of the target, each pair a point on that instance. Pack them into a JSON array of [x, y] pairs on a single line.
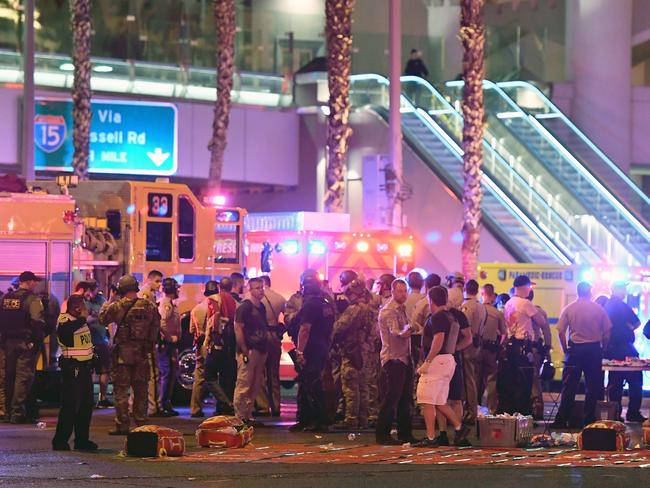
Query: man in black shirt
[[439, 340], [415, 66], [251, 335], [314, 340], [621, 345]]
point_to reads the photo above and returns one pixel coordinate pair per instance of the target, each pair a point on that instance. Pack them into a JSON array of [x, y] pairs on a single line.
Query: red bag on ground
[[223, 431], [604, 435], [154, 441]]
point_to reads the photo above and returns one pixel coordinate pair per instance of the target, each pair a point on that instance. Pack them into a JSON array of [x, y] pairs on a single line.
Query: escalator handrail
[[553, 108], [539, 199], [567, 156]]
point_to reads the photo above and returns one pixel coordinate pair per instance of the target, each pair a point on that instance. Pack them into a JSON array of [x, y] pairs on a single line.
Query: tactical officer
[[316, 321], [351, 333], [170, 334], [342, 302], [138, 329], [76, 345], [22, 323], [150, 291]]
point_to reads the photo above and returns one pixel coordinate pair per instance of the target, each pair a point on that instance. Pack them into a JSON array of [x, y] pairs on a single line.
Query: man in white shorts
[[439, 339]]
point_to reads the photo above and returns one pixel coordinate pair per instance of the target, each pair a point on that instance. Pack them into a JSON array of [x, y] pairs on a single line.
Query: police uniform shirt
[[624, 321], [31, 304], [475, 313], [411, 302], [274, 304], [170, 321], [495, 323], [320, 314], [585, 320], [198, 315], [74, 338]]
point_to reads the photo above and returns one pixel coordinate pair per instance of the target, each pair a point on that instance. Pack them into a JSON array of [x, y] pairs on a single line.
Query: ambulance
[[284, 244], [555, 287], [134, 227]]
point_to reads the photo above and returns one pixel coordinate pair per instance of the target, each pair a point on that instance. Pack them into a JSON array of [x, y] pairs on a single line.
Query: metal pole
[[395, 119], [27, 155]]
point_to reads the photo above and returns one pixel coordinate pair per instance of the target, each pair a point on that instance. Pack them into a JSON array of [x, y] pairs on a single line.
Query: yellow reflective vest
[[74, 338]]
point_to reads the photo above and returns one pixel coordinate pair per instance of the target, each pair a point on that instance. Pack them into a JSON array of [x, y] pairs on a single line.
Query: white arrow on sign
[[158, 156]]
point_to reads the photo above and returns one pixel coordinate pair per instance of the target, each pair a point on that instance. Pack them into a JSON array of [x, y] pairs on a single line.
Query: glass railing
[[522, 186], [140, 78], [372, 90], [620, 236], [533, 101]]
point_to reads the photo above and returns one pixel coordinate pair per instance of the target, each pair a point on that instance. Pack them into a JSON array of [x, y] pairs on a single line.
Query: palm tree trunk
[[338, 14], [81, 93], [472, 34], [225, 24]]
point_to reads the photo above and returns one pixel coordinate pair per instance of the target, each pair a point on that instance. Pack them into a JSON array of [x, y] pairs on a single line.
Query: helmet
[[308, 274], [311, 287], [170, 285], [386, 280], [455, 278], [127, 283], [347, 276], [356, 288], [211, 288], [547, 371]]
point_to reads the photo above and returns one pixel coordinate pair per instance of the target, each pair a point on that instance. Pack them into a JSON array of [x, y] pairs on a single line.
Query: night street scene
[[324, 243]]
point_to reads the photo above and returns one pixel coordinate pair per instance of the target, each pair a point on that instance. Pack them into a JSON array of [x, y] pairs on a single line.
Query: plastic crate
[[505, 431]]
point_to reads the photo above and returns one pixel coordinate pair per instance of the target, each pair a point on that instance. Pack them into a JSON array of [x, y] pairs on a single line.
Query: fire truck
[[555, 287], [66, 231]]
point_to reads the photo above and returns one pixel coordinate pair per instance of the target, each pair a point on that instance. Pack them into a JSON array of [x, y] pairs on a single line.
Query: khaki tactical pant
[[249, 381]]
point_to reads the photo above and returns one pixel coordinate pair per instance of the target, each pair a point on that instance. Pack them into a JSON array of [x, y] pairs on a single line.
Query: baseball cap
[[522, 280], [28, 276]]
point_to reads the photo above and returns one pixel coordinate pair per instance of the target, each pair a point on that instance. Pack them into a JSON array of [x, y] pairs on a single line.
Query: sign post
[[136, 138]]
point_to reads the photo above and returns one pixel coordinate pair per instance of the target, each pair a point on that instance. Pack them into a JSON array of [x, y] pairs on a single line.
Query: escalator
[[520, 233], [596, 212]]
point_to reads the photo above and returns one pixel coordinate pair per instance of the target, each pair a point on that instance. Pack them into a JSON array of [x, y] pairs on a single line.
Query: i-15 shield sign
[[125, 137]]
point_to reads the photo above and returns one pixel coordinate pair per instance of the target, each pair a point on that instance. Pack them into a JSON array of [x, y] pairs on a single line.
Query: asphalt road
[[26, 459]]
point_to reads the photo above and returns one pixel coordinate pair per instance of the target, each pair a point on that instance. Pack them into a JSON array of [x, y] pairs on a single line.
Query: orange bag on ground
[[604, 435], [223, 431], [154, 441]]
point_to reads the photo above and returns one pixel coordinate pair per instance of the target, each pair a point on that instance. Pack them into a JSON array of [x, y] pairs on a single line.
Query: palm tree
[[225, 24], [81, 93], [338, 28], [472, 34]]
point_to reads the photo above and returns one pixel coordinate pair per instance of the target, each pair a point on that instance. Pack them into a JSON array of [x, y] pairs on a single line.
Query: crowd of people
[[366, 356]]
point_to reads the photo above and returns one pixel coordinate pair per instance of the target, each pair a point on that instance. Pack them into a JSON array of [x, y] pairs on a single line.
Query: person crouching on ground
[[76, 378], [439, 340]]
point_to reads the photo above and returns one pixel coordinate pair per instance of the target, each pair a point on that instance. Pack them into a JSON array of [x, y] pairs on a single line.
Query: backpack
[[217, 323]]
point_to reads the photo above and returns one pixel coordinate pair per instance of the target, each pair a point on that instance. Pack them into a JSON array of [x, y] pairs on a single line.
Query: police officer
[[76, 345], [170, 334], [494, 332], [624, 323], [198, 318], [589, 329], [342, 302], [22, 323], [138, 329], [351, 332], [316, 321], [515, 378], [150, 291], [476, 314]]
